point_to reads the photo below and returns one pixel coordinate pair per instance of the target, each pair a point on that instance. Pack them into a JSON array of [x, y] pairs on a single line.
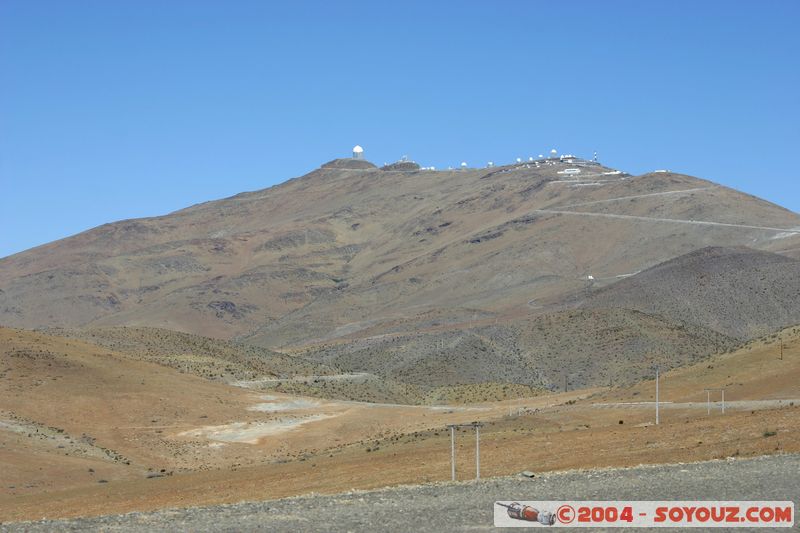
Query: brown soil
[[127, 420]]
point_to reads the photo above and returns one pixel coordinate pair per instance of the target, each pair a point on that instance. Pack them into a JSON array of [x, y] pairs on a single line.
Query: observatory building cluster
[[553, 157]]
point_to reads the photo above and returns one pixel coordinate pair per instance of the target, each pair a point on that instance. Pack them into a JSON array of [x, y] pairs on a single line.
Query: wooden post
[[477, 427], [477, 452], [452, 453], [657, 420]]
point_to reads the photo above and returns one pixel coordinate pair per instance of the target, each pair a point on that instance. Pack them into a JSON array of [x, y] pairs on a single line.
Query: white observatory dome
[[357, 149]]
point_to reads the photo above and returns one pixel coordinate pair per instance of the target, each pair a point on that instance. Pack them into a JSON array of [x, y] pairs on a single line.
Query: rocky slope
[[739, 292], [575, 348], [213, 359], [463, 266]]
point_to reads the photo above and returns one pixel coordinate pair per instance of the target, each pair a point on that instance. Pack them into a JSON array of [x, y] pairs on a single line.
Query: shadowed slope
[[739, 292]]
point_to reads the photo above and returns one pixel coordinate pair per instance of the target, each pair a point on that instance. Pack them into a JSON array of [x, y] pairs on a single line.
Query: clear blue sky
[[121, 109]]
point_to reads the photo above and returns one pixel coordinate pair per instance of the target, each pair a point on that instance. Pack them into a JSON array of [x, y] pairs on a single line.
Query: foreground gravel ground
[[464, 506]]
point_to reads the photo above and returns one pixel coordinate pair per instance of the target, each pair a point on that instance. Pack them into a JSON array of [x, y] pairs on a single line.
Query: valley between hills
[[319, 335]]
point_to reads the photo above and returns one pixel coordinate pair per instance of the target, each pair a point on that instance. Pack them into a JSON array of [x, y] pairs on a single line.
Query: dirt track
[[465, 506], [715, 405], [792, 231]]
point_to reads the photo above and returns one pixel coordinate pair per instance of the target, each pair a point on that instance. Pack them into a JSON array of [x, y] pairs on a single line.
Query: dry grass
[[359, 446]]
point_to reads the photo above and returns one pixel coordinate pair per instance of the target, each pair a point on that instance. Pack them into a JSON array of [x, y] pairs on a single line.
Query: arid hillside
[[437, 278], [73, 413], [85, 430], [551, 351], [213, 359], [343, 249], [739, 292]]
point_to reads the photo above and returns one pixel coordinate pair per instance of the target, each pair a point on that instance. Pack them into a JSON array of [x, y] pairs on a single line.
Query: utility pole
[[477, 427], [657, 419], [708, 399], [453, 453], [478, 451]]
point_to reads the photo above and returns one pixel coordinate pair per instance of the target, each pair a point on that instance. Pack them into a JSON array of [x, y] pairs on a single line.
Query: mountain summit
[[351, 252]]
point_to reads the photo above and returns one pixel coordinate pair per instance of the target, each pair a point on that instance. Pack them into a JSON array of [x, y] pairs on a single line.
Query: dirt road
[[714, 405], [790, 231]]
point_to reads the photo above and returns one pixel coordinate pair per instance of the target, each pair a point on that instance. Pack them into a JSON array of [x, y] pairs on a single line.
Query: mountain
[[213, 359], [570, 348], [469, 262], [739, 292]]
